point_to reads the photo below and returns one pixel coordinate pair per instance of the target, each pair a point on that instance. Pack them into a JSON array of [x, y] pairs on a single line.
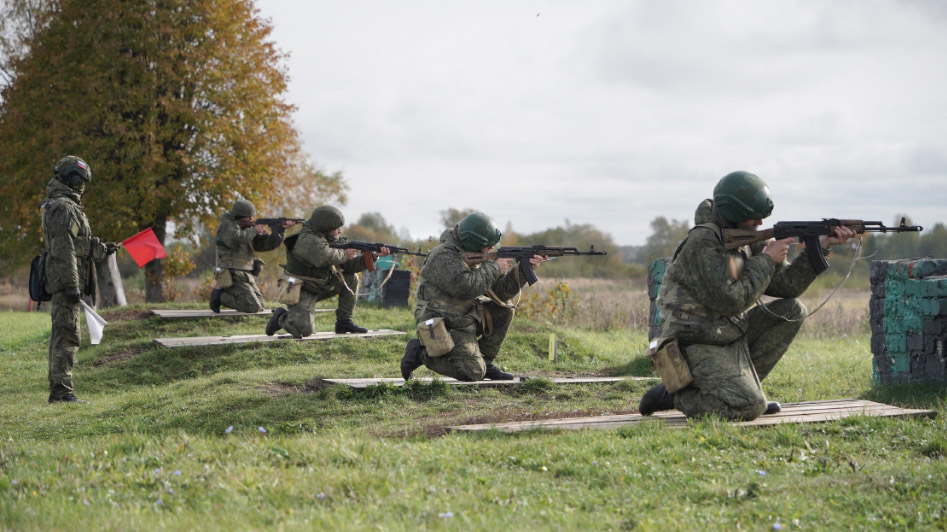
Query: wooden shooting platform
[[202, 341], [361, 384], [807, 412], [197, 313]]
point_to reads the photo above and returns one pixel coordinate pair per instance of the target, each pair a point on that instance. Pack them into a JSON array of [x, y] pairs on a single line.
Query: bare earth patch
[[121, 356], [275, 389]]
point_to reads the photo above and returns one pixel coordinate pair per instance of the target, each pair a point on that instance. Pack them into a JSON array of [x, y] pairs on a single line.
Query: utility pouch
[[38, 279], [289, 288], [224, 279], [668, 361], [257, 267], [434, 337]]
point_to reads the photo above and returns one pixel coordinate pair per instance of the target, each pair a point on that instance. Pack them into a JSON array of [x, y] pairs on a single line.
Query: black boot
[[348, 326], [215, 300], [411, 359], [772, 407], [273, 325], [655, 400], [68, 398], [496, 374]]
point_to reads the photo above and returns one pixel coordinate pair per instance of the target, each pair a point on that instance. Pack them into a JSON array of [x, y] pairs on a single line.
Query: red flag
[[144, 247]]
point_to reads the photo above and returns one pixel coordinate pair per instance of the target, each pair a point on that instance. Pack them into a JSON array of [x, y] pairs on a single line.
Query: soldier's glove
[[73, 295], [111, 247]]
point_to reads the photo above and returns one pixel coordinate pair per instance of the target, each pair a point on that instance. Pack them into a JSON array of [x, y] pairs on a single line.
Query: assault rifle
[[809, 232], [524, 253], [273, 222], [367, 248]]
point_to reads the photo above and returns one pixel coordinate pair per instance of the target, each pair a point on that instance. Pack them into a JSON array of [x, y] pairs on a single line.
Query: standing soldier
[[471, 302], [315, 271], [72, 252], [710, 302], [238, 240]]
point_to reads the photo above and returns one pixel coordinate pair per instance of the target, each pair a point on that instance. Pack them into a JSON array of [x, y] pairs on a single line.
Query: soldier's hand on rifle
[[536, 259], [351, 253], [778, 249], [384, 251], [73, 295], [288, 223], [504, 264], [842, 234]]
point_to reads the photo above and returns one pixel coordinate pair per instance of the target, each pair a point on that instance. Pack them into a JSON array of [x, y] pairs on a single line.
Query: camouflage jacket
[[449, 288], [707, 289], [236, 247], [308, 254], [71, 248]]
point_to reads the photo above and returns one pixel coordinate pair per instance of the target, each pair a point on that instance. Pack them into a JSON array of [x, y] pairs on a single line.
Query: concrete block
[[935, 327], [923, 268], [878, 345], [933, 287]]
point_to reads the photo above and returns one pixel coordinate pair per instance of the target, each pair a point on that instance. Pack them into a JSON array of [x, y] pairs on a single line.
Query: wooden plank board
[[200, 341], [198, 313], [805, 412], [361, 384]]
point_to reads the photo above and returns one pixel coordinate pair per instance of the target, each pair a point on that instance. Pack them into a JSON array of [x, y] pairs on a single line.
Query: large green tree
[[177, 106]]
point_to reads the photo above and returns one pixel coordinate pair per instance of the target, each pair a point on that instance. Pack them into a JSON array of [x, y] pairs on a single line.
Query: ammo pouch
[[38, 279], [257, 267], [289, 288], [669, 363], [224, 278], [434, 337]]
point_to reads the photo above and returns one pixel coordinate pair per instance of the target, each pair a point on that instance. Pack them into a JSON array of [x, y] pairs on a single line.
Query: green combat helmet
[[242, 209], [741, 196], [477, 231], [326, 218], [73, 172]]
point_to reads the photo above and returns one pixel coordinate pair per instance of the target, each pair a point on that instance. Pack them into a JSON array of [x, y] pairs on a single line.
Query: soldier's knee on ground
[[469, 369]]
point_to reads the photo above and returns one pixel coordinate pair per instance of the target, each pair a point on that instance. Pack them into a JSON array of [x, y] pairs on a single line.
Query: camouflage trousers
[[468, 360], [299, 321], [727, 377], [244, 294], [63, 345]]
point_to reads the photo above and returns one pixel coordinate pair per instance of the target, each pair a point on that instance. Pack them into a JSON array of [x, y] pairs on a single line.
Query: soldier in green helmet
[[315, 271], [71, 254], [238, 240], [710, 302], [474, 302]]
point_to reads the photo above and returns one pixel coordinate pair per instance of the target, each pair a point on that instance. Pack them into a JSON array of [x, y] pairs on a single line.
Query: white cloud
[[614, 112]]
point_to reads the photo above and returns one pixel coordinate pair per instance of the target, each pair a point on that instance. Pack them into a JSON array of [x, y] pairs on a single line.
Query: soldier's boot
[[273, 325], [348, 326], [68, 398], [215, 300], [772, 407], [411, 359], [496, 374], [655, 400]]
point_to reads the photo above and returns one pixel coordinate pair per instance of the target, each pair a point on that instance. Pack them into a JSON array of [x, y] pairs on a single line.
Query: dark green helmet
[[741, 196], [73, 171], [326, 218], [477, 231], [242, 209]]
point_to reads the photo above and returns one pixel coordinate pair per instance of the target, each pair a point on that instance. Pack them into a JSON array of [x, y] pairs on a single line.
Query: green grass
[[172, 439]]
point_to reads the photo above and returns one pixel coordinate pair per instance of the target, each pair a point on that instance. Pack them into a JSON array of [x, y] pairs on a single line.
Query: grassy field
[[247, 438]]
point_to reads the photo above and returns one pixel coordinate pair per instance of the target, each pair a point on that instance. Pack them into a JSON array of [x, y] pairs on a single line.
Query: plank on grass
[[361, 384], [201, 341], [805, 412], [198, 313]]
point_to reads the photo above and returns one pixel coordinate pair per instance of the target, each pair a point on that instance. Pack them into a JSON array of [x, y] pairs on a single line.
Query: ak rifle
[[524, 253], [809, 233], [369, 248]]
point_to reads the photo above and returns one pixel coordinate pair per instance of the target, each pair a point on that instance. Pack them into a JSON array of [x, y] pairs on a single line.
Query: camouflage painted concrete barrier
[[908, 309]]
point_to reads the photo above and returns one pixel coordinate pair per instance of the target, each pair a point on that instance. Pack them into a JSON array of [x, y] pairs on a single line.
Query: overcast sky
[[614, 112]]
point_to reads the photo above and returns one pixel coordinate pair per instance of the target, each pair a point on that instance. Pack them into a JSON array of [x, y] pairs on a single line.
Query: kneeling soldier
[[453, 291], [238, 240], [315, 271]]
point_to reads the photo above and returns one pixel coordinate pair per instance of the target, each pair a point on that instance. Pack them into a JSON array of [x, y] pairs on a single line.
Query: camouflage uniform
[[236, 249], [707, 302], [71, 254], [326, 272], [449, 288]]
